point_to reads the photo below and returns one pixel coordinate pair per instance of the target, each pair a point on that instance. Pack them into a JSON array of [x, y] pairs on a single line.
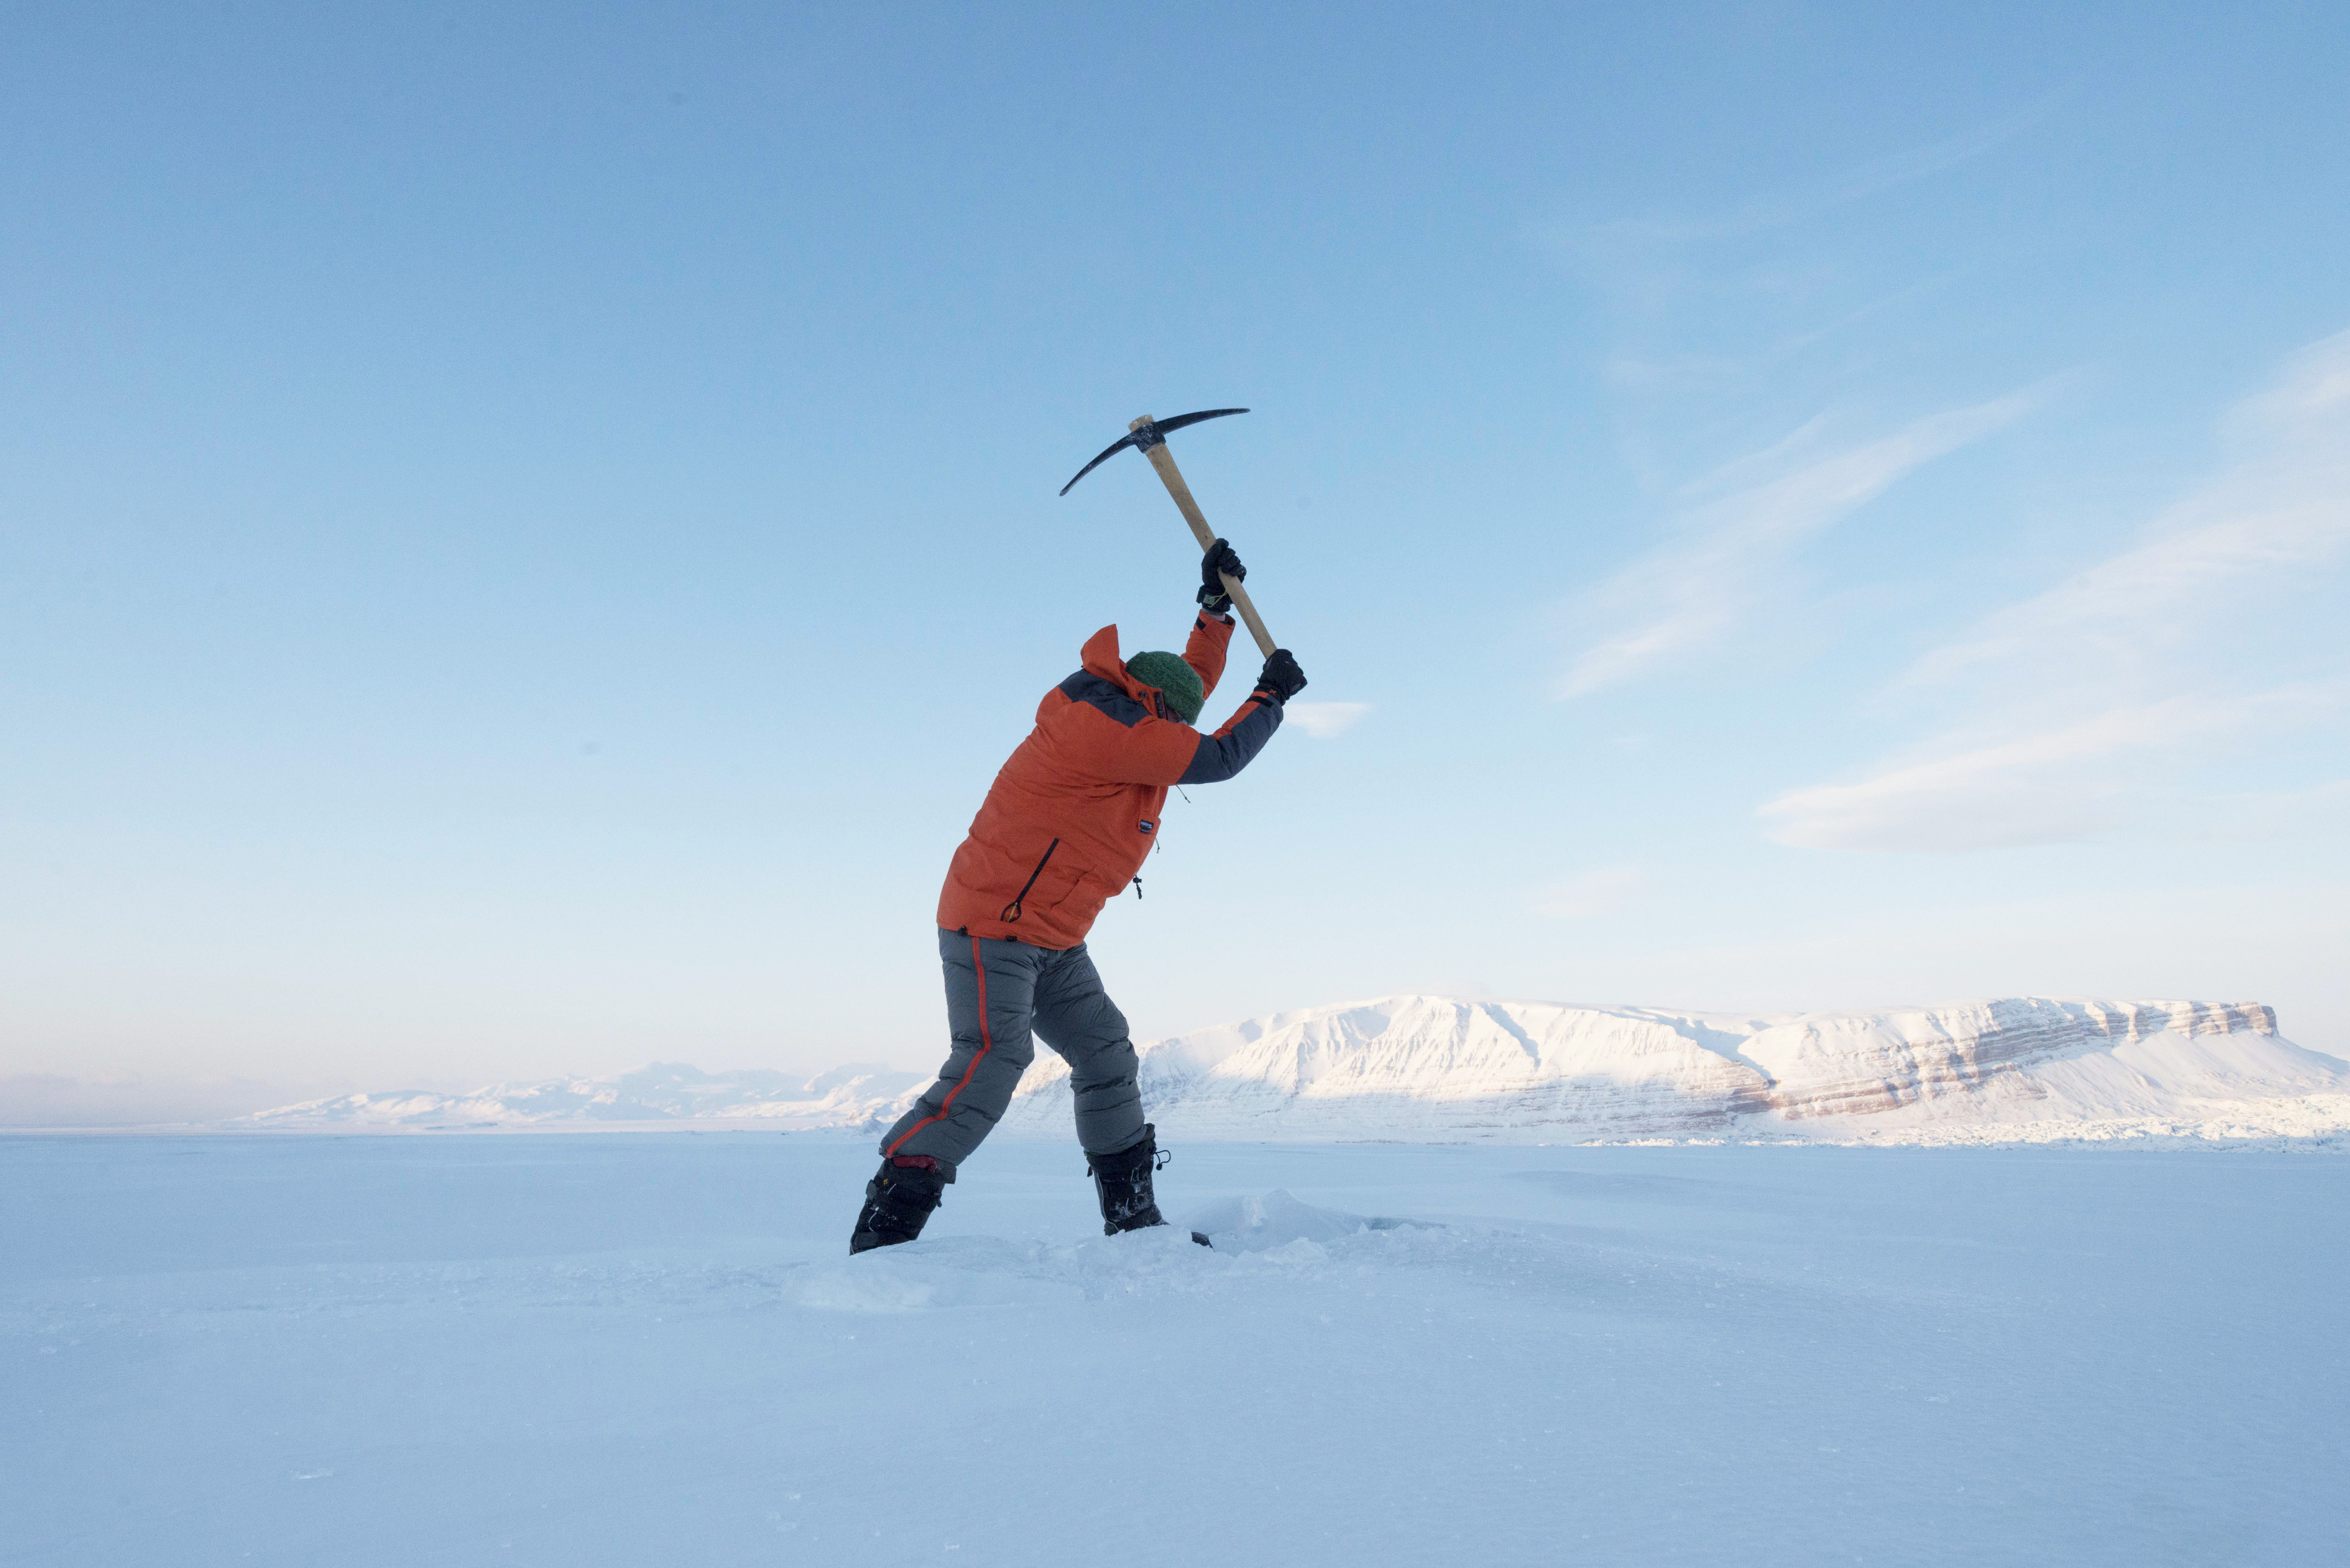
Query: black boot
[[898, 1202], [1123, 1181]]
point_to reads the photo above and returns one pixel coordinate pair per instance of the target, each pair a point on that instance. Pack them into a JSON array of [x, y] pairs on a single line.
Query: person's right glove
[[1281, 678]]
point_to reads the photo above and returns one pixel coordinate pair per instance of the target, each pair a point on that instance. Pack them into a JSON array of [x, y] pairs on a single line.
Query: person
[[1065, 828]]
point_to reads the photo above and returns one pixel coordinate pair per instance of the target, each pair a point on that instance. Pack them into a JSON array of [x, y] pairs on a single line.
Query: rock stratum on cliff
[[1437, 1069]]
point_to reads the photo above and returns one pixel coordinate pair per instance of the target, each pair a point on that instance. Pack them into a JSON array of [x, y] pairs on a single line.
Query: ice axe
[[1149, 437]]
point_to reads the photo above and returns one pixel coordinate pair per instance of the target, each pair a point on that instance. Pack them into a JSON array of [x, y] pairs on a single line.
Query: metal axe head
[[1149, 432]]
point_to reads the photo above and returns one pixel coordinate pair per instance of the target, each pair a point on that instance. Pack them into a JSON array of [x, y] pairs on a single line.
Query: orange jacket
[[1071, 816]]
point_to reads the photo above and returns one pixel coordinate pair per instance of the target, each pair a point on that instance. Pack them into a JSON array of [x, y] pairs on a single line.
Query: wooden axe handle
[[1172, 477]]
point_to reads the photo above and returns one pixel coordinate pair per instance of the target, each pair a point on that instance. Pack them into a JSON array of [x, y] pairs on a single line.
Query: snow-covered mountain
[[1431, 1069], [848, 1096], [1427, 1067]]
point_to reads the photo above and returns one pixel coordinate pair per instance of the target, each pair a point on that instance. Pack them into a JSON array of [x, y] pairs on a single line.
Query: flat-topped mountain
[[1429, 1066]]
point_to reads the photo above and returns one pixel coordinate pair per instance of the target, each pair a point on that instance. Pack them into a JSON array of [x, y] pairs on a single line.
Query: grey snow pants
[[999, 994]]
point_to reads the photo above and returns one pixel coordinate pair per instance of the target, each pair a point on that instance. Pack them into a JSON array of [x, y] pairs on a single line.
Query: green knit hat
[[1175, 680]]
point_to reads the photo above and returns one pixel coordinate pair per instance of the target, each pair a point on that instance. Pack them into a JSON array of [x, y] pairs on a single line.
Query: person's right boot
[[1122, 1181], [898, 1202]]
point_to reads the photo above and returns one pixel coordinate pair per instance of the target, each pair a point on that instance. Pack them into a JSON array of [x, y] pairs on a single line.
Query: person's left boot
[[898, 1202], [1122, 1181]]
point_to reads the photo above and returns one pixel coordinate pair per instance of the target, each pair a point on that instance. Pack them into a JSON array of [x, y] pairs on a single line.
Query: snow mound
[[985, 1270], [1253, 1238]]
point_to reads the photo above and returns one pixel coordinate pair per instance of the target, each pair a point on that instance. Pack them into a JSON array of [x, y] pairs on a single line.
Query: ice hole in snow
[[1247, 1224]]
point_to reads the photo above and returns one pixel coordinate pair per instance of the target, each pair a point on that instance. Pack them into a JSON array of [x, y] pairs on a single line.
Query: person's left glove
[[1220, 558], [1281, 678]]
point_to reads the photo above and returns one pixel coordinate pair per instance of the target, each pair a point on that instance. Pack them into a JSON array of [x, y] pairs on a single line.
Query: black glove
[[1281, 678], [1220, 557]]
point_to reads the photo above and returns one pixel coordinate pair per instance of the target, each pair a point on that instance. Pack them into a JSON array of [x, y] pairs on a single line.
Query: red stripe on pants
[[986, 1043]]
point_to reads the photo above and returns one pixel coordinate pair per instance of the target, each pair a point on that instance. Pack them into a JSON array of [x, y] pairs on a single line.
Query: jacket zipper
[[1011, 911]]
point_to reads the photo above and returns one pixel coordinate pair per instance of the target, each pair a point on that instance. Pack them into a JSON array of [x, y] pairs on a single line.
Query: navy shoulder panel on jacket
[[1096, 692]]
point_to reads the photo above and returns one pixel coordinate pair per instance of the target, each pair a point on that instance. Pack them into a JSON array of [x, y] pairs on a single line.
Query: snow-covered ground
[[628, 1350]]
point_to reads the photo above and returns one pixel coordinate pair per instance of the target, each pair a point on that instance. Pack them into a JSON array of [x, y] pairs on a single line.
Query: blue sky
[[528, 532]]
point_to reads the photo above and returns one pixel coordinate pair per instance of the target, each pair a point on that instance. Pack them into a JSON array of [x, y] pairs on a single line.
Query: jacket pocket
[[1013, 910]]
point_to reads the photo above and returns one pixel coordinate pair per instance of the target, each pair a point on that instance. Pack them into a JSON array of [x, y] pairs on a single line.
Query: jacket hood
[[1101, 658]]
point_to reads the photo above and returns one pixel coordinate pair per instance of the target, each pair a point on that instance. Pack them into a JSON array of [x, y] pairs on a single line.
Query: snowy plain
[[589, 1348]]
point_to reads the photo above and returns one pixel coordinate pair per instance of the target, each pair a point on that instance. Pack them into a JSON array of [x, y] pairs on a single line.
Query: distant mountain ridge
[[1432, 1068], [847, 1095]]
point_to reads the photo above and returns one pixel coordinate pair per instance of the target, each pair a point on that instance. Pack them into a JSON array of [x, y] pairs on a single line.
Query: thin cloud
[[2018, 791], [2050, 786], [1326, 721], [1695, 592], [2093, 703], [1779, 211], [2283, 506]]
